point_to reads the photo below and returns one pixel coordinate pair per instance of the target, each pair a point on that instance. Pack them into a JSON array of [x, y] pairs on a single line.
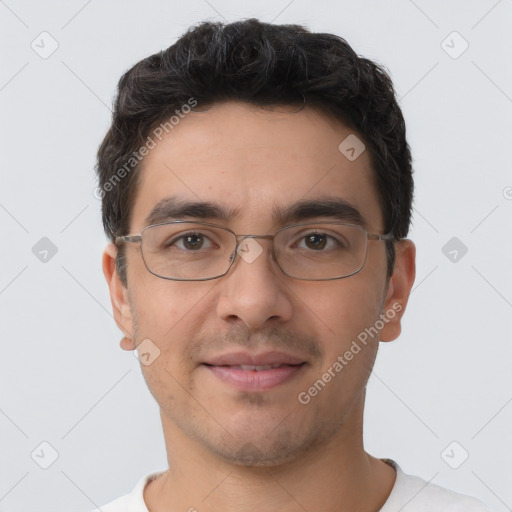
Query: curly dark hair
[[265, 65]]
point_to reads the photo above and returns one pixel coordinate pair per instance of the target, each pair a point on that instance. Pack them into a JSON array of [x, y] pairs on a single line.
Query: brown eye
[[316, 241], [193, 242], [190, 242]]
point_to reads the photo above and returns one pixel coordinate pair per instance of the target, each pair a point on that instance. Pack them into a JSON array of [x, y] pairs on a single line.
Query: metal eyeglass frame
[[239, 238]]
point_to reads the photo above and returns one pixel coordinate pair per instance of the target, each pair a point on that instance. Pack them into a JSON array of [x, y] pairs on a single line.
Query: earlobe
[[127, 343], [118, 297], [399, 289]]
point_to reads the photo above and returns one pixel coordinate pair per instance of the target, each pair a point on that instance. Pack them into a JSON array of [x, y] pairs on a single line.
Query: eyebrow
[[174, 208]]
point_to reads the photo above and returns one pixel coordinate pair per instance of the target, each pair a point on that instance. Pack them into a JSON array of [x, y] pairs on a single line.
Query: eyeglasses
[[199, 251]]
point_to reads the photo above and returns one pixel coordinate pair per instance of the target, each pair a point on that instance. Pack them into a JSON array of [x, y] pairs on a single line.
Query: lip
[[228, 368], [247, 358]]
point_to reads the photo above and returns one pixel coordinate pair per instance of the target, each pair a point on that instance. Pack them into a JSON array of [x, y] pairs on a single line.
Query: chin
[[268, 447]]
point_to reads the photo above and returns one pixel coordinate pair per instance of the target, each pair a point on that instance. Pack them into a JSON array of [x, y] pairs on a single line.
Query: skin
[[229, 450]]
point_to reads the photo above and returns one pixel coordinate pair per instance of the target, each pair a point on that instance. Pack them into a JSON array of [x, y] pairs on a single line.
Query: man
[[257, 191]]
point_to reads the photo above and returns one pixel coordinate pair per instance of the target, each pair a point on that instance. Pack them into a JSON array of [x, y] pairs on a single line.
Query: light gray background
[[63, 377]]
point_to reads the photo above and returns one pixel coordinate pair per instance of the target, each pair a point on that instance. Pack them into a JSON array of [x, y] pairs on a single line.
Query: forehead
[[253, 161]]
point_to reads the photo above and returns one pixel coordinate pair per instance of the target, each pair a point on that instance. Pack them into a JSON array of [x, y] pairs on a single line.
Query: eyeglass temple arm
[[388, 236], [128, 238]]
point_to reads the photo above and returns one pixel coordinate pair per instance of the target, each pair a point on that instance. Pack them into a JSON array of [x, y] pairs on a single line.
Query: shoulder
[[132, 502], [414, 494]]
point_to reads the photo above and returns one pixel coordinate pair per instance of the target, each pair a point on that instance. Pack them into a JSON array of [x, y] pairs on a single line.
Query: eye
[[191, 242], [319, 241]]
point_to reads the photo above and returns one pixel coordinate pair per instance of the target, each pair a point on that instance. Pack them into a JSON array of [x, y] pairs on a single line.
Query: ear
[[399, 289], [118, 297]]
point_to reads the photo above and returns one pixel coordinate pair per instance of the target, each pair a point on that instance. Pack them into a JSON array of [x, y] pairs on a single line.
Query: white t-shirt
[[409, 494]]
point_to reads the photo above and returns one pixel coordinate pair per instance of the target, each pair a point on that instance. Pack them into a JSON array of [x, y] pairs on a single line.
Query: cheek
[[340, 309], [169, 312], [345, 316]]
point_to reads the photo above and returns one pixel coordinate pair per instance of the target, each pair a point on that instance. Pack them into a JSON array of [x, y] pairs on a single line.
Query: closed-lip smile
[[248, 371]]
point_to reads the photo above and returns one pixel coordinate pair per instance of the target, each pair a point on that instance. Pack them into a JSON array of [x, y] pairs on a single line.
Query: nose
[[253, 290]]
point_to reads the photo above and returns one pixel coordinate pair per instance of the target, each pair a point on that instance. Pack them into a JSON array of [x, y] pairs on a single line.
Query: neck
[[337, 476]]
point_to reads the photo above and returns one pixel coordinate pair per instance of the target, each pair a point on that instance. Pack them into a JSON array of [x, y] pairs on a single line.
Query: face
[[253, 162]]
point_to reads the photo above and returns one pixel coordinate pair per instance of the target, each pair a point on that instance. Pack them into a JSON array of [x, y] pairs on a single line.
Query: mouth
[[255, 372]]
